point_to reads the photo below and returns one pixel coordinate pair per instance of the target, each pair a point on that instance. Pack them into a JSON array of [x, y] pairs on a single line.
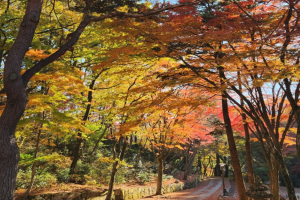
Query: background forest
[[120, 91]]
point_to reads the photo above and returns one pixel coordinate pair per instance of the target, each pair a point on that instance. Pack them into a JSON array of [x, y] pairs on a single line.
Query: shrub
[[42, 178], [63, 175]]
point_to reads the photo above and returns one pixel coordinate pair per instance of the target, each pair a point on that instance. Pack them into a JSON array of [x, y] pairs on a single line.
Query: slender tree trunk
[[285, 174], [204, 170], [159, 176], [76, 154], [217, 170], [120, 154], [98, 141], [188, 165], [248, 152], [233, 152], [112, 181], [232, 147], [33, 169], [250, 172], [200, 164], [274, 179]]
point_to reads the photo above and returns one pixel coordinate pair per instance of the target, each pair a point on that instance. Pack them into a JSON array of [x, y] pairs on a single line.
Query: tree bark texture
[[248, 152], [159, 176], [112, 181], [233, 152], [189, 160], [274, 179], [232, 147], [217, 170], [76, 153], [118, 153], [285, 174], [16, 100]]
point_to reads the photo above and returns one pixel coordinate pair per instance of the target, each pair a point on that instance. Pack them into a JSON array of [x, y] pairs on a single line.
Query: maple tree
[[167, 127], [198, 128]]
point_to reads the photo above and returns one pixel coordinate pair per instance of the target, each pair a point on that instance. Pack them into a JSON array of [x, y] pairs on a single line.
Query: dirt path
[[209, 189]]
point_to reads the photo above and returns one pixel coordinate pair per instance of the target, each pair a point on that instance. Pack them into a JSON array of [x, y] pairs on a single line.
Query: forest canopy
[[93, 88]]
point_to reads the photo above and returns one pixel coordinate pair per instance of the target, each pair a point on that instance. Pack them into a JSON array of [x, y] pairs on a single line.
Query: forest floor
[[69, 187], [210, 188]]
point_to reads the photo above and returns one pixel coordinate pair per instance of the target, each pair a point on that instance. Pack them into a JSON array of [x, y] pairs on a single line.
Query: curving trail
[[206, 191], [209, 189]]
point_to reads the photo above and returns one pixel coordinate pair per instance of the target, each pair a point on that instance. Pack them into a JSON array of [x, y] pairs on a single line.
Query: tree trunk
[[298, 137], [9, 151], [285, 174], [76, 154], [120, 154], [159, 176], [233, 152], [204, 170], [188, 164], [98, 141], [274, 179], [33, 169], [16, 100], [248, 152], [112, 181], [232, 147], [199, 164], [217, 170]]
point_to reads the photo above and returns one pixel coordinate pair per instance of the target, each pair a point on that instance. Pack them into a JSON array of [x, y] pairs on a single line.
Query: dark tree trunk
[[274, 178], [16, 100], [118, 153], [200, 164], [217, 169], [248, 152], [226, 166], [232, 147], [76, 153], [285, 174], [159, 176], [9, 151], [112, 181], [189, 160]]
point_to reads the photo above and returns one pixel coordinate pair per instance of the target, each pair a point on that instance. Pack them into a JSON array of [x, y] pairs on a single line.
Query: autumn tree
[[197, 127], [162, 139]]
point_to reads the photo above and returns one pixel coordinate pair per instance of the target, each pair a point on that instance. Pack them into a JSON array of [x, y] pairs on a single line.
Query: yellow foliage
[[36, 55]]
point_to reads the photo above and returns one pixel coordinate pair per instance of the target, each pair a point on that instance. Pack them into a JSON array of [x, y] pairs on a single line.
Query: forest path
[[209, 189]]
